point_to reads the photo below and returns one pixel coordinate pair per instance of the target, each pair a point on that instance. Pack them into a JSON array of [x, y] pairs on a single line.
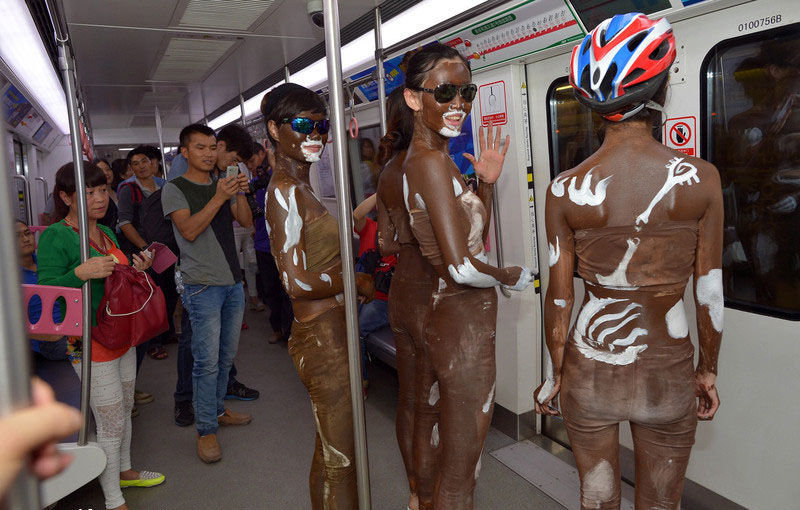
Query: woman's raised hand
[[490, 164], [95, 267]]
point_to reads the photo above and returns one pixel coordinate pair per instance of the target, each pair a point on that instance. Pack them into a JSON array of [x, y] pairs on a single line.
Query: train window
[[574, 128], [752, 135]]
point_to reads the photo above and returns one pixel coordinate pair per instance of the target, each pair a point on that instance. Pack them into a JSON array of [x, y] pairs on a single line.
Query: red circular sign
[[680, 134]]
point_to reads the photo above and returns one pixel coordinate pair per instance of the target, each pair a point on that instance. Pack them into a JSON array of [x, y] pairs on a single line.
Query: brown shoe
[[208, 449], [231, 418]]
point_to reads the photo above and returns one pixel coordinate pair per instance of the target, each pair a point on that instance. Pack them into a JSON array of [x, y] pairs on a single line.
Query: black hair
[[65, 181], [237, 140], [188, 131], [153, 152], [399, 129], [118, 166], [257, 148], [287, 101], [140, 149], [423, 61], [97, 161]]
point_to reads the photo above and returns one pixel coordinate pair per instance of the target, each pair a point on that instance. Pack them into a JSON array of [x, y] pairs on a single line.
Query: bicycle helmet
[[621, 64]]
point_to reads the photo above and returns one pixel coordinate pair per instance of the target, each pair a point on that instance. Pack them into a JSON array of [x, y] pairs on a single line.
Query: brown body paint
[[641, 218], [461, 317], [305, 243], [409, 295]]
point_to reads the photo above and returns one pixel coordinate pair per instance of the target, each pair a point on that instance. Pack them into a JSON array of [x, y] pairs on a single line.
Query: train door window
[[752, 119], [574, 128]]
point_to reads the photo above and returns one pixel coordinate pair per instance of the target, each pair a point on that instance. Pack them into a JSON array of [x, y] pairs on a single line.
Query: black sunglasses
[[307, 126], [446, 92]]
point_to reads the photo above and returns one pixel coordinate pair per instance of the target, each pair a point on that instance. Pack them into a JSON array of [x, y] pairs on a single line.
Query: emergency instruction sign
[[493, 103], [680, 133]]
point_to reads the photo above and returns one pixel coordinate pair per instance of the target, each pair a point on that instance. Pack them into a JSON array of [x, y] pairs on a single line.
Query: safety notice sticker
[[493, 103], [680, 133]]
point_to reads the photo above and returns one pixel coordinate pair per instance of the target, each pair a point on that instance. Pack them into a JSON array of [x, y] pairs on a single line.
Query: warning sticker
[[680, 133], [493, 103]]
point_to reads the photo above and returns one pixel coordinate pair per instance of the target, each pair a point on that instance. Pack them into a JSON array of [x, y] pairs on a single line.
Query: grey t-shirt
[[211, 258]]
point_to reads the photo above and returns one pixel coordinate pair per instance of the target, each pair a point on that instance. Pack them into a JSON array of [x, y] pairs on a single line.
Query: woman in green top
[[113, 371]]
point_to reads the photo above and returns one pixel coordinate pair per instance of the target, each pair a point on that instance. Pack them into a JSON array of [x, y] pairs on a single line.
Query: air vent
[[190, 59], [228, 15]]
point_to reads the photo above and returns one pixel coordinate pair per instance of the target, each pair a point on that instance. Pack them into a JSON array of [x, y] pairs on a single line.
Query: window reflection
[[575, 129], [754, 127]]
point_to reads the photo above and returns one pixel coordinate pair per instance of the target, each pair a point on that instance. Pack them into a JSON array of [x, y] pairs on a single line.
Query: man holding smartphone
[[202, 209]]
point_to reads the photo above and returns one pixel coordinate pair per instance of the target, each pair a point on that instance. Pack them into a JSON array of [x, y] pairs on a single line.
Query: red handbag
[[133, 309]]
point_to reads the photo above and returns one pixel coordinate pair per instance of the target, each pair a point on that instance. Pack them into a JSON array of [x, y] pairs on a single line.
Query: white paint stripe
[[489, 399], [709, 294]]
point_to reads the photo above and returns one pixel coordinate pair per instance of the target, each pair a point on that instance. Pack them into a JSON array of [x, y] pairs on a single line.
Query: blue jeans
[[372, 316], [216, 315]]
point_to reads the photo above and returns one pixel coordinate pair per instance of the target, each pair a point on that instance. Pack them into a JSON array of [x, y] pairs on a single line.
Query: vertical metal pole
[[46, 188], [15, 372], [241, 109], [286, 73], [65, 60], [161, 141], [380, 70], [334, 57]]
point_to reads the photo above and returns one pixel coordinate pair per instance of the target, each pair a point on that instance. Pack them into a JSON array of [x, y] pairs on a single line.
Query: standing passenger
[[409, 295], [451, 224], [113, 370], [641, 218], [304, 239], [202, 210]]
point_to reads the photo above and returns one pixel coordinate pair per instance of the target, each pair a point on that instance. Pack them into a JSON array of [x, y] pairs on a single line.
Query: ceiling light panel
[[190, 59], [227, 15]]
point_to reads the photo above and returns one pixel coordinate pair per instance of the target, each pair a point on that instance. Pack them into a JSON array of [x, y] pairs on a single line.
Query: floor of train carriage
[[265, 464]]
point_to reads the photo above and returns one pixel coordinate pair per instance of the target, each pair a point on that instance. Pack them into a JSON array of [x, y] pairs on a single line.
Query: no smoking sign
[[680, 133]]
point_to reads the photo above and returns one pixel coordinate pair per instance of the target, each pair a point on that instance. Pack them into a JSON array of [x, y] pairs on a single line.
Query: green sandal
[[146, 479]]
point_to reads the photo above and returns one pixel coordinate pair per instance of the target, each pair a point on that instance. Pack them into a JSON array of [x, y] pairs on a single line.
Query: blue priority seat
[[380, 344]]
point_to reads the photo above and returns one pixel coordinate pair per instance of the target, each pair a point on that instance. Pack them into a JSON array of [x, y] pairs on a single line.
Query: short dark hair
[[153, 152], [140, 149], [293, 99], [237, 140], [188, 131], [257, 148], [65, 181]]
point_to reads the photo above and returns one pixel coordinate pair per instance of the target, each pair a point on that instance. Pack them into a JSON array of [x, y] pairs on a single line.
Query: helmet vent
[[636, 40], [660, 51], [632, 76], [606, 87], [603, 40], [586, 45], [585, 83]]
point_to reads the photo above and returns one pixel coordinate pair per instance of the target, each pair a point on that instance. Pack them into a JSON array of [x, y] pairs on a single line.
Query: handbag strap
[[147, 278]]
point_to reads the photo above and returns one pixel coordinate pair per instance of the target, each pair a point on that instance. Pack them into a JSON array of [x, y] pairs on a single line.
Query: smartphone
[[232, 171]]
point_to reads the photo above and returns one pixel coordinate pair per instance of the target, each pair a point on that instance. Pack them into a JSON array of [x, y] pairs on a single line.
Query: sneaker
[[245, 326], [258, 306], [134, 412], [239, 391], [146, 479], [231, 418], [208, 449], [140, 397], [184, 413]]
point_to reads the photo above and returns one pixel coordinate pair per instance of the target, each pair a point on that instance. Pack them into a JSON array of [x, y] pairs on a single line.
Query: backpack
[[149, 221], [155, 227]]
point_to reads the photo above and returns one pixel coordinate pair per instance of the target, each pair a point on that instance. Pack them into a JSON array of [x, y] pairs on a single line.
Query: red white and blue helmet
[[621, 64]]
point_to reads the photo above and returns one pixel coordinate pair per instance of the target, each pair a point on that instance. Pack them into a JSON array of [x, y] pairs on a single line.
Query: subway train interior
[[97, 78]]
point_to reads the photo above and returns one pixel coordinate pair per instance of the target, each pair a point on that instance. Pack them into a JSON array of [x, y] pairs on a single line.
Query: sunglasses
[[307, 126], [446, 92]]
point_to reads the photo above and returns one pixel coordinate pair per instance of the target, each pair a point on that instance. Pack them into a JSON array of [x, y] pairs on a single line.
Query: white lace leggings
[[112, 401]]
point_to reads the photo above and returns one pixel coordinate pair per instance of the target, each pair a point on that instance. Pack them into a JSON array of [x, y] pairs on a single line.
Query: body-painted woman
[[412, 286], [451, 223], [641, 218], [305, 243]]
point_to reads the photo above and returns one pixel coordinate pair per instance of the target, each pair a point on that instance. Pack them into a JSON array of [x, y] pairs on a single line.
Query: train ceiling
[[188, 57]]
